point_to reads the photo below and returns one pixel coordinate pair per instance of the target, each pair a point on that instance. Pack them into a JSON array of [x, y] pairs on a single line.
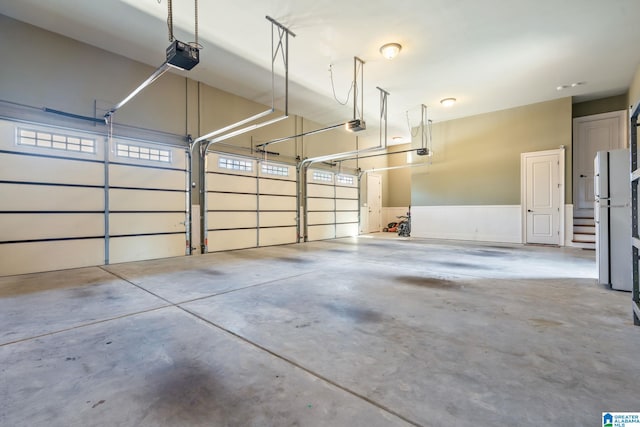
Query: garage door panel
[[50, 170], [321, 204], [50, 198], [231, 239], [346, 205], [14, 227], [146, 223], [320, 232], [226, 220], [314, 218], [139, 177], [138, 248], [314, 190], [275, 219], [142, 200], [33, 257], [231, 183], [231, 202], [271, 186], [277, 236], [346, 217], [346, 230], [277, 203], [347, 193]]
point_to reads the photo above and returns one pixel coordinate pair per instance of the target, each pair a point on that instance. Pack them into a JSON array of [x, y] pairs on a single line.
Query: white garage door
[[249, 203], [148, 201], [55, 212], [332, 205]]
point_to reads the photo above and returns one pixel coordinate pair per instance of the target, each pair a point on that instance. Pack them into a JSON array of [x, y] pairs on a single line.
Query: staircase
[[584, 232]]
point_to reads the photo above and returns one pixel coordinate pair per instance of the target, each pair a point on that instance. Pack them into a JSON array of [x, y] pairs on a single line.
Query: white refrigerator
[[612, 188]]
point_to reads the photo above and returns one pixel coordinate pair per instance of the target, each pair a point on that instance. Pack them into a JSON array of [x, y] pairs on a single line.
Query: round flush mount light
[[390, 50], [570, 85], [448, 102]]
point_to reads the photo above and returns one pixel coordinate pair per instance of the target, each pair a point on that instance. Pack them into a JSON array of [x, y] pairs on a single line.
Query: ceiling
[[490, 55]]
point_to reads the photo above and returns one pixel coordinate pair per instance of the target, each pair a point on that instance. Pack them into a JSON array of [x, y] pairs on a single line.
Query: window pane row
[[36, 138]]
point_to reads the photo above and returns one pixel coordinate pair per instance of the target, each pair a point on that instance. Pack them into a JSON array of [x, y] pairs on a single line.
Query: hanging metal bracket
[[279, 47]]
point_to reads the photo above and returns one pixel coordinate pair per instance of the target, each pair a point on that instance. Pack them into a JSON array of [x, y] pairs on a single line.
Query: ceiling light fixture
[[390, 50], [567, 86], [448, 102]]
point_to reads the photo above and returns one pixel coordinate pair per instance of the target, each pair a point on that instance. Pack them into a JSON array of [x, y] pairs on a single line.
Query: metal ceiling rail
[[358, 68], [181, 64], [233, 126], [408, 165], [156, 74], [311, 132], [382, 142]]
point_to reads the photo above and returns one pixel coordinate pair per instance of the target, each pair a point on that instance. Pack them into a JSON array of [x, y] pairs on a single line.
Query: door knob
[[529, 210], [583, 176]]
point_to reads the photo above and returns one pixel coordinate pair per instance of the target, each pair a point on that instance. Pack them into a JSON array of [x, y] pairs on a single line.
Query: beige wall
[[476, 160], [53, 71], [598, 106], [634, 89], [399, 180]]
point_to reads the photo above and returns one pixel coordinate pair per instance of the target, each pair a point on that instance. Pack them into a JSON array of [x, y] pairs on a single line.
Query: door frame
[[575, 145], [560, 152]]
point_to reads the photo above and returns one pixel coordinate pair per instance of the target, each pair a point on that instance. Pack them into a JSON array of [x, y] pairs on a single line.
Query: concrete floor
[[368, 331]]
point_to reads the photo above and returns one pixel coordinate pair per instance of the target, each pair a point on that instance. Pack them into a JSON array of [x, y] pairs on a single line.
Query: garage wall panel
[[144, 200], [45, 198], [148, 200], [277, 236], [54, 212], [226, 220], [346, 230], [231, 202], [321, 232], [225, 240], [279, 187], [250, 202], [31, 257], [277, 203], [332, 204], [146, 223], [277, 219], [31, 168], [346, 205], [321, 204], [150, 178], [36, 226], [138, 248], [229, 183]]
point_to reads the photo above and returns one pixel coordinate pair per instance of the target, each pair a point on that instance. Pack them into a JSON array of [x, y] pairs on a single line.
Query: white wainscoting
[[391, 214], [480, 223]]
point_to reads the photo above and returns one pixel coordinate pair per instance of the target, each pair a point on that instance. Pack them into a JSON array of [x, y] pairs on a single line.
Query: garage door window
[[143, 153], [56, 141], [322, 176], [345, 179], [235, 164], [275, 170]]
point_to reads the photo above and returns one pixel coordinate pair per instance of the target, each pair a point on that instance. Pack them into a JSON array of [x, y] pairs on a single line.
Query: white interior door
[[543, 189], [374, 202], [592, 134]]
